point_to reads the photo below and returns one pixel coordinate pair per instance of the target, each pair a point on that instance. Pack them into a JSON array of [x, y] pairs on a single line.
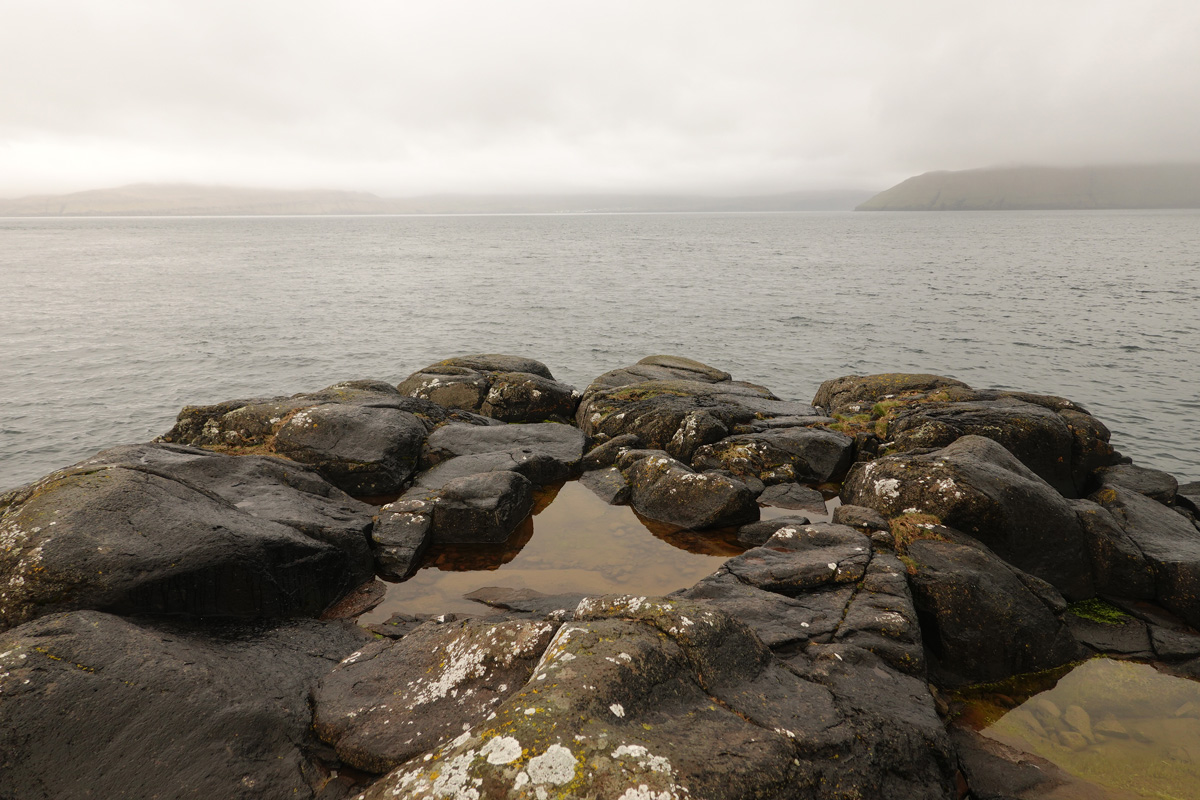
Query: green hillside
[[1014, 188]]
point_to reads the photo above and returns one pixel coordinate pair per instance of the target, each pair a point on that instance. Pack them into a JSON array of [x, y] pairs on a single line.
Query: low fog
[[402, 99]]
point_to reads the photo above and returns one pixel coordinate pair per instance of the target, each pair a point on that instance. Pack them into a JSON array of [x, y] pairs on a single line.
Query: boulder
[[121, 532], [1169, 542], [676, 405], [399, 698], [862, 518], [784, 455], [795, 497], [798, 558], [1119, 568], [785, 624], [483, 508], [562, 443], [982, 619], [1189, 495], [652, 698], [507, 388], [93, 705], [976, 486], [607, 484], [756, 533], [605, 455], [857, 394], [666, 490], [1153, 483], [362, 436]]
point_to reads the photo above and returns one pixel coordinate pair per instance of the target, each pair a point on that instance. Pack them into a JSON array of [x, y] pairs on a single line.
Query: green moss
[[884, 406], [1098, 610]]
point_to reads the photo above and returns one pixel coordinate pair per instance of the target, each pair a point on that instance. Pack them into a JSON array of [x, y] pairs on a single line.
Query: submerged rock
[[92, 705]]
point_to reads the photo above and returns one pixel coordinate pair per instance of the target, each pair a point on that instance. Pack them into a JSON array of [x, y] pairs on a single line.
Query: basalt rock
[[543, 453], [976, 486], [507, 388], [669, 491], [362, 436], [1169, 542], [1153, 483], [1119, 567], [795, 497], [92, 705], [630, 695], [677, 405], [982, 619], [122, 532], [380, 707], [807, 455]]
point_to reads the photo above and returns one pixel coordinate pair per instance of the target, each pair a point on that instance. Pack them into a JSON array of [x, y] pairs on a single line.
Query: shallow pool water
[[1122, 726]]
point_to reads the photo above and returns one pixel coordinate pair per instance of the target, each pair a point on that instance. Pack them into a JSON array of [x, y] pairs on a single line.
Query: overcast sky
[[405, 98]]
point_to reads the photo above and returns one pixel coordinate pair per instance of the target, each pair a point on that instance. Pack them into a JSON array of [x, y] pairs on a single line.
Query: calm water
[[109, 326]]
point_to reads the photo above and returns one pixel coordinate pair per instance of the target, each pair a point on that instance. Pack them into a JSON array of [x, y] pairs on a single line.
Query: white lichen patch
[[888, 488], [617, 709], [556, 766], [501, 750]]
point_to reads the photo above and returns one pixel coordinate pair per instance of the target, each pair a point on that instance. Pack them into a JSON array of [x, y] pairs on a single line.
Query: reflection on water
[[1125, 727], [574, 543]]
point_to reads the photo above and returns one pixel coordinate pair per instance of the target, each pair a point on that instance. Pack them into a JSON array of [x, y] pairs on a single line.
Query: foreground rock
[[92, 705], [507, 388], [362, 436], [138, 530], [630, 695]]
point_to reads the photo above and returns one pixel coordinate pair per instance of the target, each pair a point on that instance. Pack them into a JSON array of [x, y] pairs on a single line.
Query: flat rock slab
[[122, 534], [399, 698], [507, 388], [92, 705], [797, 559], [794, 496]]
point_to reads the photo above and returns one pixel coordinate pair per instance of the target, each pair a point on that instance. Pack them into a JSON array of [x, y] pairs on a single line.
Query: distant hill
[[189, 200], [1014, 188]]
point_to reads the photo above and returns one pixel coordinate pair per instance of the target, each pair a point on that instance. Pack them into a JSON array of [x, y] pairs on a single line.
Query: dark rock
[[782, 455], [676, 408], [92, 705], [399, 698], [400, 625], [608, 484], [1170, 544], [474, 509], [1038, 437], [1189, 496], [881, 618], [779, 621], [363, 451], [666, 490], [1153, 483], [1128, 637], [980, 620], [797, 559], [976, 486], [757, 533], [605, 455], [636, 690], [402, 534], [1118, 566], [507, 388], [563, 443], [1174, 643], [856, 394], [793, 496], [995, 771], [122, 534], [859, 517]]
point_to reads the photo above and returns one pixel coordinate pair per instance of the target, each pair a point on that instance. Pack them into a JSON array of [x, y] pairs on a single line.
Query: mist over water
[[110, 326]]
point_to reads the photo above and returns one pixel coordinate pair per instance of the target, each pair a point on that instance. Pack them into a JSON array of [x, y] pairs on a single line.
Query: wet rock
[[399, 698], [1170, 544], [607, 484], [474, 509], [1119, 568], [980, 620], [976, 486], [92, 705], [793, 496], [527, 601], [1189, 495], [1037, 436], [669, 491], [637, 690], [756, 533], [1111, 727], [1080, 721], [507, 388], [1153, 483], [783, 623], [542, 453], [399, 625], [676, 405], [783, 455], [882, 619], [859, 517], [1174, 643], [605, 455], [798, 559], [995, 771], [1128, 637], [124, 534], [1073, 741], [363, 451]]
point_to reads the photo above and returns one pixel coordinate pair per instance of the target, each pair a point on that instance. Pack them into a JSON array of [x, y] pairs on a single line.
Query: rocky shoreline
[[177, 617]]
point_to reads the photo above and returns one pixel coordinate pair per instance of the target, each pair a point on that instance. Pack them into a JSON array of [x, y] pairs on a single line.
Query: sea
[[110, 325]]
